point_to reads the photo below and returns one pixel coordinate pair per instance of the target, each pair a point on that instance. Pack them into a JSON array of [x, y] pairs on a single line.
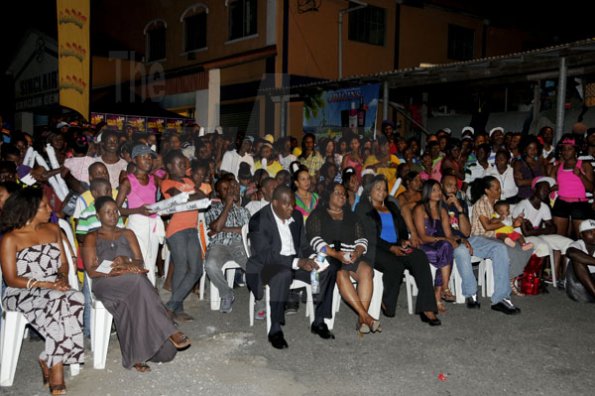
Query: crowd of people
[[341, 208]]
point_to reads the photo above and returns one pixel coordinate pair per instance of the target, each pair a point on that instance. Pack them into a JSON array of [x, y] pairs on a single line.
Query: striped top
[[342, 235], [301, 207]]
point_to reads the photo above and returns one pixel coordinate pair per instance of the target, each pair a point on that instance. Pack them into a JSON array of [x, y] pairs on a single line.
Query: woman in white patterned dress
[[35, 269]]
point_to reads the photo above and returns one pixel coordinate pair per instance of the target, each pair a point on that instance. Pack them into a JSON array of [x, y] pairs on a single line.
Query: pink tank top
[[140, 194], [570, 185]]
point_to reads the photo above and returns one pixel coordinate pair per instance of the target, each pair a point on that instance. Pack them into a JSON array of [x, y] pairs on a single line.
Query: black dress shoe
[[506, 307], [322, 330], [277, 340], [431, 322], [472, 303]]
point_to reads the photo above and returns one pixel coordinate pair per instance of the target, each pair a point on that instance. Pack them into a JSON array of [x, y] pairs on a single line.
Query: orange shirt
[[182, 220]]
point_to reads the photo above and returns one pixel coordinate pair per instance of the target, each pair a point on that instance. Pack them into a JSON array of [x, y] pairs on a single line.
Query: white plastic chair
[[375, 303], [411, 287], [296, 284], [13, 329], [101, 326], [485, 276]]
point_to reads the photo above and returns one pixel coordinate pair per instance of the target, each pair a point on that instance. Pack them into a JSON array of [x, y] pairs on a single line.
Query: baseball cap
[[540, 179], [496, 129], [447, 130], [468, 129], [249, 138], [269, 138], [587, 225], [141, 149], [62, 124]]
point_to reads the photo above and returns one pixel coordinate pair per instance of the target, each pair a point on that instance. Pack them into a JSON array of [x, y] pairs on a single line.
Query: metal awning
[[517, 67]]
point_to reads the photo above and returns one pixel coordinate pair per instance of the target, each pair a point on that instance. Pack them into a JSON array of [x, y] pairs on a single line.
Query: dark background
[[547, 24]]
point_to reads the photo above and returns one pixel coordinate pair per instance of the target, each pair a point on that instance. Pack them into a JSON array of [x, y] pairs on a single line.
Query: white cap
[[447, 130], [587, 225], [62, 124], [496, 129], [468, 128], [368, 171]]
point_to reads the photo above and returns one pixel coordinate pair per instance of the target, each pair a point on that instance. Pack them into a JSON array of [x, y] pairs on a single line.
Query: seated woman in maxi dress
[[145, 328]]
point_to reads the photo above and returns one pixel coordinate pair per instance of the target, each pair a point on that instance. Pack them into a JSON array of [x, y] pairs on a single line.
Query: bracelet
[[29, 282]]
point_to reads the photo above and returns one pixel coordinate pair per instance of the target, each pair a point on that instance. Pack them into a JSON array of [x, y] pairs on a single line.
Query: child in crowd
[[181, 235], [198, 173], [139, 189], [507, 234]]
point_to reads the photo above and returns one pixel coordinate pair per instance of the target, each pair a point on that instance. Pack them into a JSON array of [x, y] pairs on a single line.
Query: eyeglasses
[[340, 194]]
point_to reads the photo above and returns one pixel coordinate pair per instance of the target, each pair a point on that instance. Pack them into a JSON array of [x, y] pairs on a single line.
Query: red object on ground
[[442, 377]]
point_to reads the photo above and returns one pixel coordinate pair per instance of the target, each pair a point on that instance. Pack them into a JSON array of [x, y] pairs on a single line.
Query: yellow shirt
[[388, 172], [273, 168]]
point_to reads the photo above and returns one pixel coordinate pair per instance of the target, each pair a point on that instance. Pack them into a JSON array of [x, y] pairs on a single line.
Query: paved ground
[[547, 350]]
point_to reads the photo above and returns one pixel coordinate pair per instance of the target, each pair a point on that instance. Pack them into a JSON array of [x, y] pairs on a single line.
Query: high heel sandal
[[514, 290], [448, 296], [182, 341], [45, 372], [58, 389]]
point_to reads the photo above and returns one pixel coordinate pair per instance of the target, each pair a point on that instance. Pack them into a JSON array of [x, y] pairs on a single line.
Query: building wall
[[424, 35], [504, 41], [313, 42]]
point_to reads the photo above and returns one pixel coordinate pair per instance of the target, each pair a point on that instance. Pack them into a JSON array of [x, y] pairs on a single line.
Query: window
[[155, 40], [367, 25], [195, 27], [242, 18], [461, 43]]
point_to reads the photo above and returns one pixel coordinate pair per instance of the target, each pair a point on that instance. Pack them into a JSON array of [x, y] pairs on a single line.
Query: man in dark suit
[[280, 253]]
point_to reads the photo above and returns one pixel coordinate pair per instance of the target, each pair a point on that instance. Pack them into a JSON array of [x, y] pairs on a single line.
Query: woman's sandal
[[441, 306], [180, 340], [142, 367], [58, 389], [448, 296], [45, 372], [514, 290]]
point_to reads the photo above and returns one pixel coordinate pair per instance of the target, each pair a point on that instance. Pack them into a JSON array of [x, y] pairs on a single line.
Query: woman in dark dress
[[390, 250], [336, 232], [145, 329]]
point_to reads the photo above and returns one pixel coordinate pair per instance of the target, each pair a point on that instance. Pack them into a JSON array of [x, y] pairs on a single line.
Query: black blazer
[[265, 241], [373, 226]]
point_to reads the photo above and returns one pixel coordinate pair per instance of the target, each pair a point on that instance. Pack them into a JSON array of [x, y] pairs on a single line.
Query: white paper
[[166, 203], [105, 267], [28, 179], [199, 204], [322, 266]]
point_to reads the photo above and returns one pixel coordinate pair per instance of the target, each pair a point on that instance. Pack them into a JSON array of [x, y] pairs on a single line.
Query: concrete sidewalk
[[549, 349]]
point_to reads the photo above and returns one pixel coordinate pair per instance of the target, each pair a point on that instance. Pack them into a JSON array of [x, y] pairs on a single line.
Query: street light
[[361, 4]]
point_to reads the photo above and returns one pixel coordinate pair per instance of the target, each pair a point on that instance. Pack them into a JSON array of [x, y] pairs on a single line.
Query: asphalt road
[[549, 349]]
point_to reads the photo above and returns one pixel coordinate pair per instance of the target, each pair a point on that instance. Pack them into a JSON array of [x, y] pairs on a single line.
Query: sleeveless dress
[[141, 319], [440, 254], [56, 315]]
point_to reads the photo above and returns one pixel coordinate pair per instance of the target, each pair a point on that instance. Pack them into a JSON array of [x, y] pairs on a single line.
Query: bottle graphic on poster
[[353, 116], [361, 113]]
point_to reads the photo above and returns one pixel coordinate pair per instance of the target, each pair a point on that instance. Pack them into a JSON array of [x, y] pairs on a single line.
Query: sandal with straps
[[448, 296], [45, 372], [59, 389], [180, 340], [142, 367]]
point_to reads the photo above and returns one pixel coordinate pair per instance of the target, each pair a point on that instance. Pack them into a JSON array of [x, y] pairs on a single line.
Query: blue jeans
[[496, 251], [184, 247]]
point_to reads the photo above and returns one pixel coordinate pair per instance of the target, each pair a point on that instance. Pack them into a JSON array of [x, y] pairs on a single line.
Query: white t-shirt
[[535, 216], [231, 162], [507, 183], [255, 206]]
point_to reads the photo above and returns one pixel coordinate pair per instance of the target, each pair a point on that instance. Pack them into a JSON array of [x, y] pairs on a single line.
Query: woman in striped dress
[[336, 232]]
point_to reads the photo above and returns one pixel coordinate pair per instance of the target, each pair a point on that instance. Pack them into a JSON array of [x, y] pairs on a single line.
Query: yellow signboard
[[74, 54]]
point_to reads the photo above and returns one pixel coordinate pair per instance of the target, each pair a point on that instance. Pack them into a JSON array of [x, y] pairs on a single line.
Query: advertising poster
[[115, 121], [332, 113], [177, 124], [155, 125], [96, 118], [136, 122]]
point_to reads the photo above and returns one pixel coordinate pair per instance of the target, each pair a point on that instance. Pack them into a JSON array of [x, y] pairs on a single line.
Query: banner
[[74, 54], [141, 123], [331, 113]]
